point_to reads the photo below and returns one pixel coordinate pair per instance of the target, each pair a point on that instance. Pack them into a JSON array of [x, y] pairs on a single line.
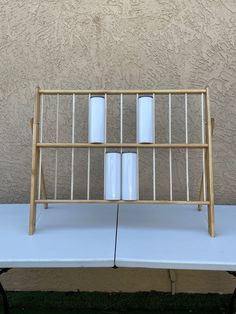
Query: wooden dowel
[[210, 189], [119, 145], [137, 148], [72, 150], [125, 202], [40, 149], [121, 120], [56, 154], [118, 92], [88, 160], [154, 150], [170, 151], [186, 152], [203, 151]]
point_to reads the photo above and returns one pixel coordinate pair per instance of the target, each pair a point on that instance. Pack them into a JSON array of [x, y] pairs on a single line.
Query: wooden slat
[[124, 202], [118, 92], [119, 145]]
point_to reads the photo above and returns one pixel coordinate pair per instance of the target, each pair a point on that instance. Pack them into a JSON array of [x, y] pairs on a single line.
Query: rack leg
[[211, 225], [44, 191], [34, 176], [32, 218], [199, 207], [33, 205]]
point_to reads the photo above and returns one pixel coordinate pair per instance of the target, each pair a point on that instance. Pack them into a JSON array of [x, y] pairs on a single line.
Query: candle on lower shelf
[[130, 180], [112, 176], [96, 119], [145, 120]]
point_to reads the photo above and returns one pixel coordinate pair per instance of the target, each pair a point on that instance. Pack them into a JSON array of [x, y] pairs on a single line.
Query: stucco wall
[[114, 44]]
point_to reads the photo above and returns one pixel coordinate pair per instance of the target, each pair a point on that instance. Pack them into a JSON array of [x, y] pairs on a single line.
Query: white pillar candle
[[130, 184], [112, 176], [145, 120], [97, 119]]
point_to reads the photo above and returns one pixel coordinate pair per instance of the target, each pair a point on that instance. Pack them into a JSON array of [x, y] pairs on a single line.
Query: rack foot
[[32, 221], [199, 207], [211, 223]]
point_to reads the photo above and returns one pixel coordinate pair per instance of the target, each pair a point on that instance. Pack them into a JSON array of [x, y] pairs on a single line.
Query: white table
[[66, 236], [175, 237], [152, 236]]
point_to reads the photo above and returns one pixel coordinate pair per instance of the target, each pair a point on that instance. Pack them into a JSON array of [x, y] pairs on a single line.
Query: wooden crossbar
[[118, 145], [206, 196], [118, 92], [91, 201]]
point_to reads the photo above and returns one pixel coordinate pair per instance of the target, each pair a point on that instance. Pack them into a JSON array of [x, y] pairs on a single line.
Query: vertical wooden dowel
[[210, 189], [35, 160], [72, 150], [137, 150], [186, 152], [56, 154], [154, 150], [88, 173], [121, 120], [203, 151], [105, 138], [40, 150], [88, 176], [170, 150], [121, 133]]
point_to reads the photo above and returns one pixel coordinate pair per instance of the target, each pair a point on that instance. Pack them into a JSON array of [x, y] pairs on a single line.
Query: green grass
[[112, 303]]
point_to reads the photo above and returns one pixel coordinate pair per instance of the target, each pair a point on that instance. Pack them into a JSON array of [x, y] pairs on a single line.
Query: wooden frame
[[37, 177]]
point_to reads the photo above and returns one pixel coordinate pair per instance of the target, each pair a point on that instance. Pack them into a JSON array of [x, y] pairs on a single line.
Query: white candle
[[145, 119], [130, 184], [97, 119], [112, 176]]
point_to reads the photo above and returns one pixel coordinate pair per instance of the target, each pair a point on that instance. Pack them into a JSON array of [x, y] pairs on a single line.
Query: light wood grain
[[35, 160], [44, 190], [118, 92], [119, 145], [123, 202], [210, 188]]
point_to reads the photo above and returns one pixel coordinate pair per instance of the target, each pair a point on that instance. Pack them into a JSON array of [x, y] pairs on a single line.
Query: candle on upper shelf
[[96, 132], [145, 120]]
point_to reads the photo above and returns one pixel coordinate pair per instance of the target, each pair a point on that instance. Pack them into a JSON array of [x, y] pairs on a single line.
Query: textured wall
[[114, 44]]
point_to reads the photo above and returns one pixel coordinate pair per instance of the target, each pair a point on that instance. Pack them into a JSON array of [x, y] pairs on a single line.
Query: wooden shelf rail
[[118, 145]]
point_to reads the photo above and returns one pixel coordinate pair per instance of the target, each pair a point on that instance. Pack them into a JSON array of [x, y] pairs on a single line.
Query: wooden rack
[[37, 178]]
